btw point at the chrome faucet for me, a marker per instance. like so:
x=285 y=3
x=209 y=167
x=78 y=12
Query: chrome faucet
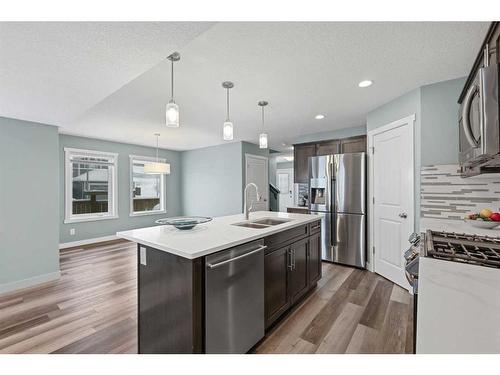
x=247 y=209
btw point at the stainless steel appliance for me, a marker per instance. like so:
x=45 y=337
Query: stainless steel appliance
x=337 y=191
x=479 y=128
x=411 y=270
x=234 y=299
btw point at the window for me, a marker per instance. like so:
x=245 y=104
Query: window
x=90 y=184
x=147 y=191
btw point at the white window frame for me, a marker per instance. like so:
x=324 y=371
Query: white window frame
x=112 y=213
x=163 y=197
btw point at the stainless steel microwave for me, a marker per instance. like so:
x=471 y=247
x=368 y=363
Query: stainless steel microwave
x=479 y=134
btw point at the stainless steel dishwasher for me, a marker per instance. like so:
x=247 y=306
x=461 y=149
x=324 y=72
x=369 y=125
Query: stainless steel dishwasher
x=234 y=298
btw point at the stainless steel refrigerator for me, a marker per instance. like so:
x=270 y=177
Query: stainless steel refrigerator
x=337 y=192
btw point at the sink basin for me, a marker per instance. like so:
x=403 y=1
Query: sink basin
x=270 y=221
x=261 y=223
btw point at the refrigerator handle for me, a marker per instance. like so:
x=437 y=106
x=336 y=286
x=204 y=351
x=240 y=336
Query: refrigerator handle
x=333 y=224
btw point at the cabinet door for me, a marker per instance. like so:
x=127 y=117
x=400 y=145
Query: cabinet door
x=328 y=148
x=298 y=274
x=314 y=259
x=357 y=144
x=301 y=162
x=276 y=269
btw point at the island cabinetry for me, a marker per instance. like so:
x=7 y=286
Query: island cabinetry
x=292 y=267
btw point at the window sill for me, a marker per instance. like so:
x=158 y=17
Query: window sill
x=85 y=219
x=147 y=213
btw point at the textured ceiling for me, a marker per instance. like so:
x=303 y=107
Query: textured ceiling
x=302 y=69
x=51 y=72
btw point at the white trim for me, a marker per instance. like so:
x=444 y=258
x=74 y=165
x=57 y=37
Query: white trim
x=163 y=193
x=292 y=185
x=29 y=282
x=409 y=120
x=112 y=213
x=90 y=241
x=267 y=175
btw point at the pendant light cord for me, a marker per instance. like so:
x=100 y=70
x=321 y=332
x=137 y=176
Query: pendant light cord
x=262 y=117
x=227 y=90
x=172 y=77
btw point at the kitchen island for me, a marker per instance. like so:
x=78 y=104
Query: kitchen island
x=218 y=287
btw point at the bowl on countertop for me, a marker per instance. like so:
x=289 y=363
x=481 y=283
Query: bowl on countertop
x=184 y=222
x=482 y=224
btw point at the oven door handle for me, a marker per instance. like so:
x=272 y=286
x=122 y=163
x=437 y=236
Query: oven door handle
x=465 y=115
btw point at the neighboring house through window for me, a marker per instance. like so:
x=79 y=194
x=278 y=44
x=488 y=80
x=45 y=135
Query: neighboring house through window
x=90 y=185
x=147 y=191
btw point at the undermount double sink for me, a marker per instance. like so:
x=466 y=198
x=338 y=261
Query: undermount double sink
x=262 y=223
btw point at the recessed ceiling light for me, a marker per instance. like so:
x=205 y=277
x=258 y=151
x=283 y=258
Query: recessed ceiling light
x=319 y=117
x=366 y=83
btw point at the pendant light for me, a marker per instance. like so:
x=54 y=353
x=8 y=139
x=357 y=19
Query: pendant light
x=157 y=167
x=227 y=128
x=263 y=135
x=172 y=110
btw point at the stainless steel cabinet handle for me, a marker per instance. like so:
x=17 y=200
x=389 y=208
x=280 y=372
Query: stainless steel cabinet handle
x=290 y=261
x=293 y=252
x=403 y=215
x=215 y=265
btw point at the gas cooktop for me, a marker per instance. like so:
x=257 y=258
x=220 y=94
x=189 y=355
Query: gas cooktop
x=464 y=248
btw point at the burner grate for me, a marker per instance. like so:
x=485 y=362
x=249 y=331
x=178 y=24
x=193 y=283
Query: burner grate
x=472 y=249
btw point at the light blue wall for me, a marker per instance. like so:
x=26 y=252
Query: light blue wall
x=440 y=122
x=284 y=165
x=29 y=205
x=252 y=149
x=212 y=180
x=94 y=229
x=331 y=134
x=403 y=106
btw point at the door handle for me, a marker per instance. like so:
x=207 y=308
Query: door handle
x=215 y=265
x=403 y=215
x=465 y=116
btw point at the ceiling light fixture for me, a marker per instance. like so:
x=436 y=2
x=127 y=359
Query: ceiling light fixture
x=263 y=135
x=227 y=128
x=157 y=167
x=366 y=83
x=172 y=110
x=319 y=117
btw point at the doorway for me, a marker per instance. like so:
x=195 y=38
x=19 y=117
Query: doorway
x=256 y=171
x=284 y=180
x=391 y=197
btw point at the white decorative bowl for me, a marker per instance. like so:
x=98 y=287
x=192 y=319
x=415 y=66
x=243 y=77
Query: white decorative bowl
x=482 y=224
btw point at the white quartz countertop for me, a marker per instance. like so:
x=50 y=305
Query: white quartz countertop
x=457 y=226
x=213 y=236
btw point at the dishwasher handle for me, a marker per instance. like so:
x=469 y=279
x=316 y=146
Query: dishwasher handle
x=215 y=265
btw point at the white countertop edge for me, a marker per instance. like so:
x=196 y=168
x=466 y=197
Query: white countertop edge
x=254 y=234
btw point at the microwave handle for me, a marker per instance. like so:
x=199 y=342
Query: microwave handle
x=465 y=115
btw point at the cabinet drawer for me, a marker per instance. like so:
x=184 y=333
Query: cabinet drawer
x=315 y=227
x=284 y=238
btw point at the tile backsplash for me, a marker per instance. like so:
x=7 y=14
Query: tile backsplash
x=444 y=194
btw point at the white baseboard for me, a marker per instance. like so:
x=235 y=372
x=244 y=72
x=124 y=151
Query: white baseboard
x=86 y=242
x=26 y=283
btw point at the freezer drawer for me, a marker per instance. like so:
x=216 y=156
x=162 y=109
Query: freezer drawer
x=234 y=299
x=349 y=239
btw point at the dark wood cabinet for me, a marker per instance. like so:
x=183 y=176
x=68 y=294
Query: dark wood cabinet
x=296 y=210
x=277 y=299
x=301 y=162
x=298 y=271
x=314 y=258
x=355 y=144
x=328 y=148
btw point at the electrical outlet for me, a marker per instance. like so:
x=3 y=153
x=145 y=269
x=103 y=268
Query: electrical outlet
x=72 y=231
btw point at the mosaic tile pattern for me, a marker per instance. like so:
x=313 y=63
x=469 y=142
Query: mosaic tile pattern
x=446 y=195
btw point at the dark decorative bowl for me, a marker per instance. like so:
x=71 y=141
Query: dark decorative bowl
x=184 y=223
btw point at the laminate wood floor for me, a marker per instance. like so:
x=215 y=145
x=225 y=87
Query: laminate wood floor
x=92 y=308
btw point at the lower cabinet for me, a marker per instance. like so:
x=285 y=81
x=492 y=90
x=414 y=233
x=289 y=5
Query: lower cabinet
x=290 y=271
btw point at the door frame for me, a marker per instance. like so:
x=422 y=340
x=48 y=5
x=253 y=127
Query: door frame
x=410 y=121
x=266 y=192
x=289 y=170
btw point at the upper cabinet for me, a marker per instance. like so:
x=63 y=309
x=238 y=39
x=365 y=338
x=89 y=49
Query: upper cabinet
x=302 y=152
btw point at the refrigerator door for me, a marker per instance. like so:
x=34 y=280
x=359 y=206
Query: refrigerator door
x=326 y=235
x=349 y=173
x=349 y=239
x=320 y=177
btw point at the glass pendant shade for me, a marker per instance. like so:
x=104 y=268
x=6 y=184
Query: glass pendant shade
x=227 y=130
x=263 y=140
x=172 y=115
x=157 y=168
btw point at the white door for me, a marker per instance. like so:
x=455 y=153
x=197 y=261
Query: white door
x=256 y=171
x=393 y=204
x=284 y=180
